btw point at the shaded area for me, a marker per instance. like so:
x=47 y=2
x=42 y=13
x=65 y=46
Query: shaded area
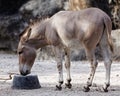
x=9 y=7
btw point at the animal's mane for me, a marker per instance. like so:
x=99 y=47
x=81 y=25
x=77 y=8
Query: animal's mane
x=31 y=24
x=24 y=31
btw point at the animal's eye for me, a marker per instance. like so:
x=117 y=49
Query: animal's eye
x=20 y=52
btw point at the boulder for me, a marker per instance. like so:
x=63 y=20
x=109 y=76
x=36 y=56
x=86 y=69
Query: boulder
x=114 y=6
x=116 y=39
x=41 y=8
x=15 y=16
x=10 y=27
x=11 y=23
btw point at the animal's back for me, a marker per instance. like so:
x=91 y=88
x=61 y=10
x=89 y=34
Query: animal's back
x=89 y=14
x=73 y=27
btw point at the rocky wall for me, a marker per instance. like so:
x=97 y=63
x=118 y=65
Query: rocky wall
x=16 y=14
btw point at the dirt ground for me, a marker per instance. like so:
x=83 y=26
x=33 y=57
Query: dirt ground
x=48 y=77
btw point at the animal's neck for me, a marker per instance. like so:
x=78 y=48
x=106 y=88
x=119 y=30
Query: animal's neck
x=38 y=38
x=36 y=43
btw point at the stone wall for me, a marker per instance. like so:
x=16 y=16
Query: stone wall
x=9 y=31
x=116 y=39
x=115 y=11
x=16 y=14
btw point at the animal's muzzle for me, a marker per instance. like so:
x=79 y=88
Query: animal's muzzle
x=25 y=73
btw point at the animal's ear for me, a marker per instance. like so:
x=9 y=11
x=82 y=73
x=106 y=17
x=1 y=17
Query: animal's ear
x=28 y=34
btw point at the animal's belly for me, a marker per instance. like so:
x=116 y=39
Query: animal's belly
x=73 y=44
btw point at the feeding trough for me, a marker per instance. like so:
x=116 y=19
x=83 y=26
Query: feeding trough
x=25 y=82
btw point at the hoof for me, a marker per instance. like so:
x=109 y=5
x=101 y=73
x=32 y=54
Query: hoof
x=68 y=85
x=86 y=89
x=59 y=88
x=102 y=89
x=105 y=90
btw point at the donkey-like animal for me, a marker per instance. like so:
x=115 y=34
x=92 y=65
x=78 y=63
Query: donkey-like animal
x=66 y=30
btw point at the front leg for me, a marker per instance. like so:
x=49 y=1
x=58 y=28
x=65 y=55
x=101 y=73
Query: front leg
x=59 y=56
x=67 y=66
x=60 y=71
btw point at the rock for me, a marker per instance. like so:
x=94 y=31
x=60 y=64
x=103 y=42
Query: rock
x=41 y=8
x=11 y=24
x=114 y=6
x=10 y=28
x=25 y=82
x=8 y=7
x=15 y=15
x=116 y=41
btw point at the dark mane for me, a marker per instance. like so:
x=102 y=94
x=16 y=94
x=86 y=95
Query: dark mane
x=23 y=32
x=37 y=21
x=32 y=23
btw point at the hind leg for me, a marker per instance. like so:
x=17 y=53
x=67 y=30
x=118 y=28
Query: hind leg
x=59 y=55
x=107 y=62
x=94 y=63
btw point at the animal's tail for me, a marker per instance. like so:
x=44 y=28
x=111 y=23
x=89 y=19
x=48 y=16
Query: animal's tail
x=108 y=30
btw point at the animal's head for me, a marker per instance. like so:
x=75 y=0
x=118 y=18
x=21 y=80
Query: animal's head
x=26 y=52
x=32 y=38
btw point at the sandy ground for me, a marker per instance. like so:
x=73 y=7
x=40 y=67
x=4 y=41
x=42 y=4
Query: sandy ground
x=48 y=77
